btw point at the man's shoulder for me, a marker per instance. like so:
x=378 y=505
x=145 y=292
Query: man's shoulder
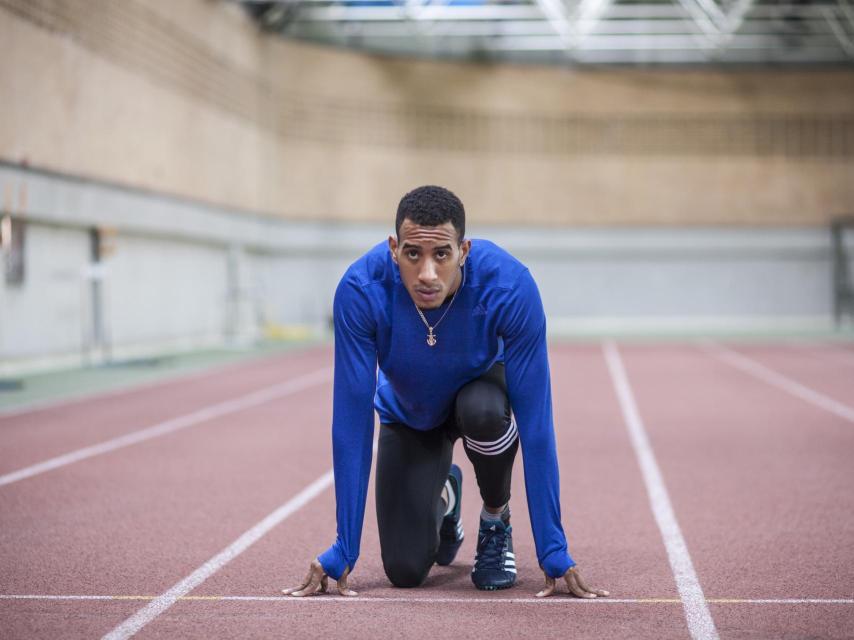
x=495 y=266
x=372 y=267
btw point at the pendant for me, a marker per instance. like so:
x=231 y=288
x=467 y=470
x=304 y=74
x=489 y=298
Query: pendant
x=431 y=339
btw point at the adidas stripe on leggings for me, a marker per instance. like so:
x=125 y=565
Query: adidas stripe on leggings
x=412 y=467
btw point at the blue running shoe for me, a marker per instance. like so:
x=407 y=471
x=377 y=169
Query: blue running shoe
x=451 y=534
x=495 y=562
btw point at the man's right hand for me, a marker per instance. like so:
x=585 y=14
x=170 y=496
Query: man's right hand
x=317 y=581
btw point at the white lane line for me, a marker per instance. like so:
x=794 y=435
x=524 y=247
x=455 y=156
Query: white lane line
x=328 y=599
x=162 y=602
x=175 y=424
x=775 y=379
x=76 y=398
x=187 y=375
x=781 y=600
x=700 y=623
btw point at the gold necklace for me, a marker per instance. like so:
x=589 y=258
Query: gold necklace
x=431 y=337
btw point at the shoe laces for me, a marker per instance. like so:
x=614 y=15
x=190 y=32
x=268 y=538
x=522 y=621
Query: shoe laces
x=492 y=542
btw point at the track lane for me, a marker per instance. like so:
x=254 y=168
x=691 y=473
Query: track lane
x=68 y=620
x=808 y=622
x=623 y=553
x=700 y=623
x=827 y=374
x=760 y=481
x=37 y=436
x=135 y=522
x=193 y=419
x=421 y=618
x=839 y=353
x=599 y=478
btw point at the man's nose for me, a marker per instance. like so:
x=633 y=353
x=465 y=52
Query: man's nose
x=427 y=273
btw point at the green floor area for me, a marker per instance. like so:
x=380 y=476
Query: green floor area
x=19 y=392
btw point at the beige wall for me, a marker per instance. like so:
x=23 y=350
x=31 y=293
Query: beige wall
x=188 y=98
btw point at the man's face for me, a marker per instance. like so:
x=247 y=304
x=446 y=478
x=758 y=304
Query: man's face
x=429 y=259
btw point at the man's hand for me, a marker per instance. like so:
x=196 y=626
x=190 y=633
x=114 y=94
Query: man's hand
x=576 y=585
x=317 y=582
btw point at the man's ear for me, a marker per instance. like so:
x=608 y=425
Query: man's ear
x=392 y=246
x=465 y=248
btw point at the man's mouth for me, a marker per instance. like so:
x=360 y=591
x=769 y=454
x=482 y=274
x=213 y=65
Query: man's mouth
x=427 y=295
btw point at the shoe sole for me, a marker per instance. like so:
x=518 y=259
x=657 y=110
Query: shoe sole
x=506 y=586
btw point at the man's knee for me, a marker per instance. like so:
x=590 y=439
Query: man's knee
x=406 y=573
x=482 y=411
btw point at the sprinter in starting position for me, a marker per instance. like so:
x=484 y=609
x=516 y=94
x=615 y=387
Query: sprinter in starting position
x=456 y=331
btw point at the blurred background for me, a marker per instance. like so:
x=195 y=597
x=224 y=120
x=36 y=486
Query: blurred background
x=186 y=176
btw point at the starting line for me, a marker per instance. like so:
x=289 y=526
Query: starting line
x=329 y=598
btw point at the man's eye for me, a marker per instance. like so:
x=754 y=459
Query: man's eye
x=412 y=255
x=441 y=255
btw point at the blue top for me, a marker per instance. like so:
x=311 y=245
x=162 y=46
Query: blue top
x=497 y=315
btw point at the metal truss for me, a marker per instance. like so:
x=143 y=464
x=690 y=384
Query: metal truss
x=581 y=31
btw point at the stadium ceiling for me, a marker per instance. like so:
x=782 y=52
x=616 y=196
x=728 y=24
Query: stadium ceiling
x=577 y=31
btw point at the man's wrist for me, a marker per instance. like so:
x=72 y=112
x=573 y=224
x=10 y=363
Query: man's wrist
x=333 y=562
x=556 y=564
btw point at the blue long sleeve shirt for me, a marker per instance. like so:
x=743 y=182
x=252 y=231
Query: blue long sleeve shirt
x=383 y=363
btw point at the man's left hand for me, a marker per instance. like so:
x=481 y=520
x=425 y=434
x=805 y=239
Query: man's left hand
x=576 y=585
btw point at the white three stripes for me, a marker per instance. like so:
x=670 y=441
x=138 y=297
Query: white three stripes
x=498 y=446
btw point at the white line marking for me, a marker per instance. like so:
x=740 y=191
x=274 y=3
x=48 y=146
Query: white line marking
x=769 y=376
x=160 y=604
x=77 y=398
x=700 y=623
x=170 y=426
x=781 y=600
x=192 y=374
x=428 y=600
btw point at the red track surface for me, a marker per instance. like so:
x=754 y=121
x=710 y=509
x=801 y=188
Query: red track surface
x=759 y=480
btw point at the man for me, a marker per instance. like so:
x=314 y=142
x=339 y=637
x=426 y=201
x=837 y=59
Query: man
x=458 y=331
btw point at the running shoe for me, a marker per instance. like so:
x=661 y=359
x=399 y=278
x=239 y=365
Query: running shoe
x=451 y=533
x=495 y=562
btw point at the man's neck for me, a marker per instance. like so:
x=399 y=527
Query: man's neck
x=456 y=286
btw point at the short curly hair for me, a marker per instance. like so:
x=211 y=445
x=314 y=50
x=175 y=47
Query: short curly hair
x=431 y=206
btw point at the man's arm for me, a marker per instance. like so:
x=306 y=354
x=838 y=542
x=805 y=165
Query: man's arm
x=529 y=387
x=352 y=431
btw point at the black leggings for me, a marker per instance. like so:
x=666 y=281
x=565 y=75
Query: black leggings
x=412 y=467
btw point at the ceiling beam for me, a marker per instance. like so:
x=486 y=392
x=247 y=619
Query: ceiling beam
x=839 y=31
x=678 y=30
x=319 y=12
x=587 y=16
x=650 y=43
x=508 y=28
x=701 y=18
x=848 y=11
x=556 y=14
x=736 y=14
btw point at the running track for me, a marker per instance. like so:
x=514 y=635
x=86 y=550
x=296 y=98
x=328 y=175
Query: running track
x=707 y=486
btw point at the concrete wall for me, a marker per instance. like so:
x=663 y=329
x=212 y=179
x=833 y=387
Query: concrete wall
x=166 y=290
x=190 y=99
x=45 y=315
x=153 y=293
x=242 y=173
x=184 y=275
